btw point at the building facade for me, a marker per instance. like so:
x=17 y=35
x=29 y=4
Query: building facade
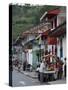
x=57 y=35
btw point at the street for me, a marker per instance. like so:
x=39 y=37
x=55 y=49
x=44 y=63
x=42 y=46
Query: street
x=19 y=79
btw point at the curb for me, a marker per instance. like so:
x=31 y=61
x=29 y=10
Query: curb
x=26 y=74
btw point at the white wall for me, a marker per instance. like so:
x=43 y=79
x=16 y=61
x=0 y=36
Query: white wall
x=30 y=37
x=61 y=17
x=58 y=48
x=64 y=51
x=42 y=46
x=29 y=57
x=35 y=48
x=64 y=47
x=23 y=56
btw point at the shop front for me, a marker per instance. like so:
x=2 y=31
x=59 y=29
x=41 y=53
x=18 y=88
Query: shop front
x=60 y=34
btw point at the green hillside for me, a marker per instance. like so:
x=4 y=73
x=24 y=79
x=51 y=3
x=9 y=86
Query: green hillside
x=26 y=16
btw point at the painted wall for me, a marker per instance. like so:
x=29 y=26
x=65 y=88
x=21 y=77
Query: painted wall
x=58 y=48
x=30 y=37
x=61 y=17
x=64 y=47
x=23 y=56
x=29 y=57
x=35 y=59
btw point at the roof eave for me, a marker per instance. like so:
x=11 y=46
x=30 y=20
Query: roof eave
x=43 y=16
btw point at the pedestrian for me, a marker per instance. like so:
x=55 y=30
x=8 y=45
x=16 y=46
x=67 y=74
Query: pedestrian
x=16 y=63
x=24 y=65
x=60 y=68
x=42 y=69
x=37 y=71
x=19 y=66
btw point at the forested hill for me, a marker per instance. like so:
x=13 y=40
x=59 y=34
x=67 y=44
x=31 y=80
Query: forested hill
x=26 y=16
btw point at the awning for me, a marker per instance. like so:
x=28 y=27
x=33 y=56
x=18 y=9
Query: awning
x=52 y=40
x=60 y=30
x=54 y=11
x=45 y=34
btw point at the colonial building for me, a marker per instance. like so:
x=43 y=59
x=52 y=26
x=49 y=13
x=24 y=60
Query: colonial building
x=57 y=35
x=49 y=35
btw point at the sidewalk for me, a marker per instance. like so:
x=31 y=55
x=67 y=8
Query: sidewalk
x=32 y=74
x=62 y=81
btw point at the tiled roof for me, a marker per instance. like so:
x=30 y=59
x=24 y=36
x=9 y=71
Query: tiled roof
x=39 y=29
x=50 y=12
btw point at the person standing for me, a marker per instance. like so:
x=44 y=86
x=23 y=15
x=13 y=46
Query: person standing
x=41 y=70
x=19 y=66
x=24 y=65
x=37 y=71
x=60 y=68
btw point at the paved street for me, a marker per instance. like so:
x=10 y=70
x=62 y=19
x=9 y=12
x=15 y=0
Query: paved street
x=20 y=79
